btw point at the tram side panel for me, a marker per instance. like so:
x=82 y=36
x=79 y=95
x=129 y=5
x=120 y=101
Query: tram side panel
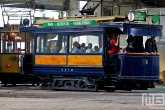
x=69 y=65
x=69 y=72
x=9 y=67
x=139 y=69
x=153 y=67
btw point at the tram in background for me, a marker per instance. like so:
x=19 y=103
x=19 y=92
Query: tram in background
x=16 y=56
x=65 y=70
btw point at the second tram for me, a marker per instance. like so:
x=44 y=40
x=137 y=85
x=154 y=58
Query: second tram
x=60 y=63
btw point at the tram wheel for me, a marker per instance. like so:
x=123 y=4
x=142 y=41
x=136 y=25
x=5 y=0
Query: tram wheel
x=82 y=84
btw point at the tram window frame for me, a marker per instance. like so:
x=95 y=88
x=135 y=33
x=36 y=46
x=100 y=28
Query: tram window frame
x=9 y=39
x=87 y=34
x=62 y=45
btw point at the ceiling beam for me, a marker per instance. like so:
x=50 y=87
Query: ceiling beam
x=38 y=4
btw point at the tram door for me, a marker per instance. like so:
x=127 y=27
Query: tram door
x=112 y=62
x=25 y=47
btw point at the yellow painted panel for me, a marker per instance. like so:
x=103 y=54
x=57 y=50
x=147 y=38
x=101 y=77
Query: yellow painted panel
x=12 y=60
x=85 y=60
x=50 y=59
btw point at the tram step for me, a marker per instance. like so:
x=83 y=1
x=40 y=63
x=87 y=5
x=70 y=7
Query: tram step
x=113 y=80
x=113 y=77
x=109 y=86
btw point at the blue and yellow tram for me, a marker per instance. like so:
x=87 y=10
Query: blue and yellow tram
x=59 y=65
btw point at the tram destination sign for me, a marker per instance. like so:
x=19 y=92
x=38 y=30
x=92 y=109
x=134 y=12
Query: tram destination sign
x=70 y=23
x=137 y=16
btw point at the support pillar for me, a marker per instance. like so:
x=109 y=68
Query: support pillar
x=74 y=8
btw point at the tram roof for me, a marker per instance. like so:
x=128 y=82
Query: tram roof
x=125 y=28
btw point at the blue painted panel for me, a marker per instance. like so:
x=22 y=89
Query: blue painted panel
x=124 y=65
x=64 y=70
x=134 y=66
x=153 y=65
x=137 y=65
x=143 y=31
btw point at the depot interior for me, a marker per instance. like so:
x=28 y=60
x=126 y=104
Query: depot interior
x=16 y=10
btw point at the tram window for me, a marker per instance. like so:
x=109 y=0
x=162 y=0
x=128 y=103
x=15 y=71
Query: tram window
x=51 y=43
x=85 y=43
x=16 y=42
x=8 y=42
x=25 y=43
x=20 y=46
x=123 y=41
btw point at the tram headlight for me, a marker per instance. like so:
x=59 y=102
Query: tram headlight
x=26 y=22
x=7 y=65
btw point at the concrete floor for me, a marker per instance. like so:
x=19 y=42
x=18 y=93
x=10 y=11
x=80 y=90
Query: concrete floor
x=32 y=98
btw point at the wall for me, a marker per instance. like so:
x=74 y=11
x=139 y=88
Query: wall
x=117 y=10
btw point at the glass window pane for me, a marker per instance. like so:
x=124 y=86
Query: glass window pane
x=51 y=43
x=85 y=43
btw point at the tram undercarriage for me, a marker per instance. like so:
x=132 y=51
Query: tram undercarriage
x=78 y=83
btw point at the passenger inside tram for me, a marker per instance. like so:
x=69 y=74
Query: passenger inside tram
x=139 y=48
x=56 y=48
x=130 y=40
x=100 y=49
x=47 y=48
x=81 y=49
x=135 y=45
x=112 y=51
x=150 y=46
x=96 y=49
x=89 y=50
x=75 y=47
x=63 y=50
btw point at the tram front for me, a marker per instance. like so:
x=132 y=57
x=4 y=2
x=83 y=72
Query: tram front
x=15 y=48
